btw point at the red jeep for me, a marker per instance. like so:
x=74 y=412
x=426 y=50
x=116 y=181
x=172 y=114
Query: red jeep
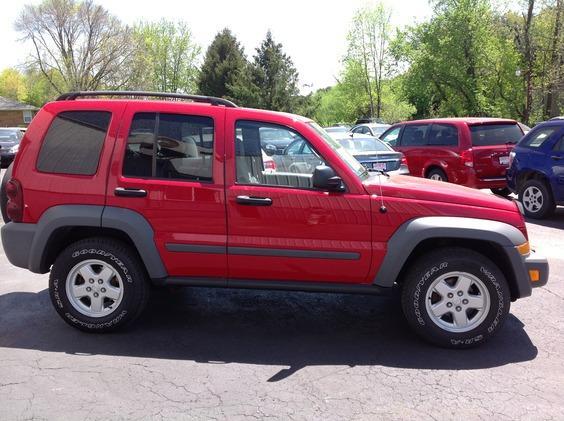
x=111 y=195
x=473 y=152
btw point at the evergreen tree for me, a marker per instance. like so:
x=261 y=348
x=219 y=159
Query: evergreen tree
x=224 y=63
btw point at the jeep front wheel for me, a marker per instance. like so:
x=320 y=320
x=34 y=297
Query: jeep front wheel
x=455 y=298
x=98 y=285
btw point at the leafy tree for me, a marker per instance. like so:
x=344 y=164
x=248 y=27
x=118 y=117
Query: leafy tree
x=166 y=58
x=77 y=45
x=12 y=84
x=270 y=81
x=368 y=42
x=223 y=64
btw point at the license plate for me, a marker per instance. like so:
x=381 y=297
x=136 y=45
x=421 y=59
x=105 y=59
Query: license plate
x=379 y=166
x=504 y=160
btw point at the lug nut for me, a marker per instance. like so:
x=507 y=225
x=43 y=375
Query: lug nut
x=449 y=305
x=449 y=295
x=88 y=289
x=103 y=290
x=95 y=294
x=91 y=281
x=460 y=293
x=100 y=281
x=464 y=301
x=458 y=308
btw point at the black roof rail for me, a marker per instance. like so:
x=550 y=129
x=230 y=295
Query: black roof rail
x=196 y=98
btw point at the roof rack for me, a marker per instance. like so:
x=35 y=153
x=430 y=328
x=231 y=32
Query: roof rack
x=196 y=98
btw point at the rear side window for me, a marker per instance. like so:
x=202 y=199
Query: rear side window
x=443 y=135
x=170 y=146
x=537 y=138
x=73 y=143
x=559 y=147
x=414 y=135
x=391 y=137
x=495 y=134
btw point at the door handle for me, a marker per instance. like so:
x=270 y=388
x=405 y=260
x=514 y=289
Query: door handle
x=254 y=201
x=127 y=192
x=557 y=158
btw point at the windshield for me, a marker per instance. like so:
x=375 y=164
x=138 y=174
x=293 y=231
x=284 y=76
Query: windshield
x=336 y=130
x=352 y=163
x=10 y=135
x=495 y=134
x=368 y=144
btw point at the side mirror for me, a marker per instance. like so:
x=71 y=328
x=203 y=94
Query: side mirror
x=270 y=150
x=324 y=178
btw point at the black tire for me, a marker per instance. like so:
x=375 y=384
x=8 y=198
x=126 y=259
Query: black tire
x=3 y=195
x=431 y=268
x=123 y=261
x=437 y=174
x=540 y=208
x=503 y=191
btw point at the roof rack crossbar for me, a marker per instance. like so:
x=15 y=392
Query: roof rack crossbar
x=196 y=98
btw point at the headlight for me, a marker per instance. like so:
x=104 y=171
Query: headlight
x=15 y=148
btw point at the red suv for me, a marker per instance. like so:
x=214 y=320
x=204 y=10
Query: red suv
x=473 y=152
x=113 y=195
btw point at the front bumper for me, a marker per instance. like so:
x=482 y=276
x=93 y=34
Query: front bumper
x=537 y=270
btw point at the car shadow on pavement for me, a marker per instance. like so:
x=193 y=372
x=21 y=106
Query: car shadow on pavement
x=258 y=327
x=556 y=220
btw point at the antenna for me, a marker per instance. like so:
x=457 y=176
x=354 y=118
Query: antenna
x=383 y=208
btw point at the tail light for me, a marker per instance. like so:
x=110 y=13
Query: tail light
x=467 y=157
x=270 y=164
x=511 y=157
x=403 y=160
x=15 y=205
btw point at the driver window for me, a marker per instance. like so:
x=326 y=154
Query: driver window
x=182 y=148
x=292 y=168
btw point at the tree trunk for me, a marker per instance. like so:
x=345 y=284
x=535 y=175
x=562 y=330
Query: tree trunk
x=529 y=61
x=551 y=104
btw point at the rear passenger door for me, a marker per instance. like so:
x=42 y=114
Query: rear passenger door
x=168 y=167
x=413 y=143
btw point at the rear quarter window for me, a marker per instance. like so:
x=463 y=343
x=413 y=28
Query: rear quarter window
x=73 y=143
x=537 y=138
x=495 y=134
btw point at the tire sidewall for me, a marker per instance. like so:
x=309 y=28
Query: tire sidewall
x=416 y=311
x=72 y=256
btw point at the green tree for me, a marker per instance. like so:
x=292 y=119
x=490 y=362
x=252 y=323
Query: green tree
x=166 y=57
x=12 y=84
x=270 y=81
x=223 y=64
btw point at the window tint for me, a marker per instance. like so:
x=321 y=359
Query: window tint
x=293 y=168
x=73 y=143
x=414 y=135
x=495 y=134
x=559 y=147
x=391 y=137
x=443 y=135
x=538 y=137
x=182 y=148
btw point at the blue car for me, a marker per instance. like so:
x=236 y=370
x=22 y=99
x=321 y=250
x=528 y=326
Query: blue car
x=536 y=169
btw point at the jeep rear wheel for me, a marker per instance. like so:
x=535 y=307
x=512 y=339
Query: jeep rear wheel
x=98 y=285
x=455 y=298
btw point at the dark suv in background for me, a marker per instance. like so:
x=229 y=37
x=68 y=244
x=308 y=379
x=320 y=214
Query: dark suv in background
x=473 y=152
x=536 y=172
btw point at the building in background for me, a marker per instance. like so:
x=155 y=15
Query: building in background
x=14 y=113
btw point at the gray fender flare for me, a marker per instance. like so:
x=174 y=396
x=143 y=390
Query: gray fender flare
x=130 y=222
x=413 y=232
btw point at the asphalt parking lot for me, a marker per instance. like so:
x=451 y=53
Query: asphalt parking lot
x=215 y=354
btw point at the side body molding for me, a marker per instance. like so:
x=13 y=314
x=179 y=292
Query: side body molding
x=412 y=232
x=125 y=220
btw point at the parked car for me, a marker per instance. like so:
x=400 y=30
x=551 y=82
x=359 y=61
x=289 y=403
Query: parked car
x=87 y=204
x=10 y=138
x=275 y=139
x=336 y=131
x=473 y=152
x=372 y=153
x=536 y=171
x=370 y=129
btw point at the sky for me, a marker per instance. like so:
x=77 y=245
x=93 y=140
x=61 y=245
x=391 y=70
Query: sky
x=312 y=32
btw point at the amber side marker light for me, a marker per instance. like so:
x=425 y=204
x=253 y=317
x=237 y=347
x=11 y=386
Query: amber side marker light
x=524 y=249
x=534 y=275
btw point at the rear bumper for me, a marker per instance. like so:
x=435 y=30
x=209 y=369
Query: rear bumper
x=487 y=183
x=17 y=240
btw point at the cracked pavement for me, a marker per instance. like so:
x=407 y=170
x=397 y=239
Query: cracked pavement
x=234 y=354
